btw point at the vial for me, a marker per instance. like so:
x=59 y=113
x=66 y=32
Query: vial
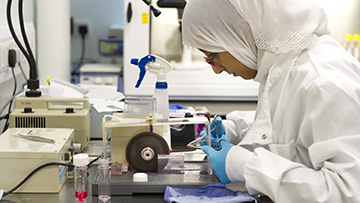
x=81 y=181
x=104 y=186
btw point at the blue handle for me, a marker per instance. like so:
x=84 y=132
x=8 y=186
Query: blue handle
x=141 y=63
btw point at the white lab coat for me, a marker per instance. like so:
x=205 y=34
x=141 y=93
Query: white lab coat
x=314 y=152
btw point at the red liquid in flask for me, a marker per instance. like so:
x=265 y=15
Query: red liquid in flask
x=81 y=195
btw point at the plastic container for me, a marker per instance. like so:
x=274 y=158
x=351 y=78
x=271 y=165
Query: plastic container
x=171 y=163
x=139 y=107
x=104 y=182
x=81 y=179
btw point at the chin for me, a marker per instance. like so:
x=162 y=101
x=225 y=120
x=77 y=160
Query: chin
x=246 y=78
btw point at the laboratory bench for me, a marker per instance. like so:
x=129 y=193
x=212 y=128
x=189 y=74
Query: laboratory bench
x=218 y=107
x=67 y=194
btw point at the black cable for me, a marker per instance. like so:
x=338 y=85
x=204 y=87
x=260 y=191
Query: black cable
x=40 y=167
x=22 y=27
x=32 y=82
x=7 y=201
x=13 y=34
x=93 y=161
x=78 y=65
x=10 y=104
x=32 y=173
x=4 y=117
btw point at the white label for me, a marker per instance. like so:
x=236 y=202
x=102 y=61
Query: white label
x=50 y=146
x=26 y=132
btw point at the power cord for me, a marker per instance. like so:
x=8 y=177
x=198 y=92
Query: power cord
x=40 y=167
x=32 y=173
x=12 y=63
x=83 y=30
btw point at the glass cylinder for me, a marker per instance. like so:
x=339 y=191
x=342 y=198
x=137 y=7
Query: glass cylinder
x=104 y=181
x=81 y=179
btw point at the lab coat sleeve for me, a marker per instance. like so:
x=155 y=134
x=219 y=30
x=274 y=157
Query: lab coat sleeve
x=237 y=123
x=331 y=133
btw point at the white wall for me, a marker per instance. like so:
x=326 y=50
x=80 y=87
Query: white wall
x=343 y=17
x=28 y=11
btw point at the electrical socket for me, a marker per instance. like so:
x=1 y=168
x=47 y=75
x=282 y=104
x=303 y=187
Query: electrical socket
x=4 y=53
x=81 y=22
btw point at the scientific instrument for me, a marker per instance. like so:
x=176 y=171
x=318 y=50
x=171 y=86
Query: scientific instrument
x=102 y=74
x=47 y=112
x=19 y=157
x=136 y=146
x=141 y=134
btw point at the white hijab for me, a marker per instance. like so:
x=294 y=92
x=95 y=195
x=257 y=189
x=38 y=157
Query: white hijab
x=265 y=35
x=251 y=29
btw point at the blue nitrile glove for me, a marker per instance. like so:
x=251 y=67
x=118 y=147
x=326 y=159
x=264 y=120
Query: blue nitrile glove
x=215 y=134
x=1 y=193
x=218 y=159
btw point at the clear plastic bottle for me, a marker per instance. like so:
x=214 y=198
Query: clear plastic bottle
x=81 y=179
x=104 y=186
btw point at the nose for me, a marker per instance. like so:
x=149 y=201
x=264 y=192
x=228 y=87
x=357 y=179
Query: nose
x=217 y=70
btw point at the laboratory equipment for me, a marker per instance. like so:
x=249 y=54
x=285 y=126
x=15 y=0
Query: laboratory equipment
x=139 y=107
x=102 y=74
x=193 y=79
x=137 y=144
x=217 y=126
x=111 y=45
x=159 y=67
x=81 y=182
x=104 y=171
x=47 y=112
x=183 y=134
x=171 y=163
x=19 y=157
x=142 y=151
x=127 y=128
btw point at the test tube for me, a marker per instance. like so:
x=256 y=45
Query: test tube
x=81 y=182
x=104 y=186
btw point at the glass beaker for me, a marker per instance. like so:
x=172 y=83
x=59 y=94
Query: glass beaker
x=104 y=181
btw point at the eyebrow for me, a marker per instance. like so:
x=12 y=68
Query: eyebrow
x=211 y=55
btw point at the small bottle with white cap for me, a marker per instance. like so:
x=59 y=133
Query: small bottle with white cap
x=81 y=179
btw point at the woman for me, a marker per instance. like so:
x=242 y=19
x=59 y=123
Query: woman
x=303 y=145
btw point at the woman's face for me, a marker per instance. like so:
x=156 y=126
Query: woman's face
x=224 y=61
